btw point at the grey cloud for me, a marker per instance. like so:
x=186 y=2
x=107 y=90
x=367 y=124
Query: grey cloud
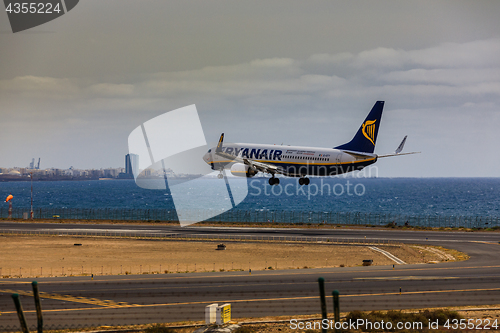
x=374 y=72
x=265 y=99
x=110 y=89
x=41 y=86
x=451 y=76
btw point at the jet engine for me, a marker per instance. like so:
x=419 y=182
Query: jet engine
x=243 y=170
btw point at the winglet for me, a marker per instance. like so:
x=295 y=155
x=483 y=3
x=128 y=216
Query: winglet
x=219 y=145
x=399 y=150
x=401 y=145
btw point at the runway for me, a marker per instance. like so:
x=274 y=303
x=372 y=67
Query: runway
x=136 y=299
x=406 y=236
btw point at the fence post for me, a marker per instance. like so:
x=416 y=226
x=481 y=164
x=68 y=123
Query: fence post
x=322 y=297
x=38 y=306
x=336 y=308
x=20 y=313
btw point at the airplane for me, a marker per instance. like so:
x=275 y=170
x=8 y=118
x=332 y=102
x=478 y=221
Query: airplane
x=246 y=159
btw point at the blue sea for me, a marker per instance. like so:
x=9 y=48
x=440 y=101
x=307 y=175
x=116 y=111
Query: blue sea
x=444 y=197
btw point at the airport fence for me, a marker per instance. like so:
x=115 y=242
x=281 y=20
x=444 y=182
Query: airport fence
x=92 y=304
x=257 y=216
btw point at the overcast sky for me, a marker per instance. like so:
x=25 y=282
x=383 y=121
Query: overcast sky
x=291 y=72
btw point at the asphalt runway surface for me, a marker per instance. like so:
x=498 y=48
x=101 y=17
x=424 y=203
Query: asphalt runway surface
x=139 y=299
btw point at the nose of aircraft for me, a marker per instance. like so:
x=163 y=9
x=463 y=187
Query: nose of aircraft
x=207 y=158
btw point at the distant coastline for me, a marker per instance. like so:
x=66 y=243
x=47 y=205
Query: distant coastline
x=13 y=178
x=16 y=178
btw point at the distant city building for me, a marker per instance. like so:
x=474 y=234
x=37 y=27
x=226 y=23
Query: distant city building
x=34 y=166
x=131 y=163
x=95 y=173
x=111 y=173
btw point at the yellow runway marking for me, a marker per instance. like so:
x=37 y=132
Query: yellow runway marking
x=70 y=298
x=485 y=242
x=410 y=278
x=264 y=300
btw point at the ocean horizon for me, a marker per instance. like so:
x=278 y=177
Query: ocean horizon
x=410 y=196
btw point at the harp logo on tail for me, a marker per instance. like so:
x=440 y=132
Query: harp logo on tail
x=368 y=129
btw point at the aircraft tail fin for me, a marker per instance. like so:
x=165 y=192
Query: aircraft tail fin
x=366 y=137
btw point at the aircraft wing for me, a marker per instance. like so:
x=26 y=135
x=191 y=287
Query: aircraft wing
x=263 y=167
x=259 y=166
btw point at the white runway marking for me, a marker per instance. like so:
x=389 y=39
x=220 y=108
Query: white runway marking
x=388 y=255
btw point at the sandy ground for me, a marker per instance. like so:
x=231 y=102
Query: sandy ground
x=36 y=256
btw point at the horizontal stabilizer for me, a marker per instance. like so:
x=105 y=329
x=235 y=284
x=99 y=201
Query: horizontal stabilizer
x=389 y=155
x=358 y=154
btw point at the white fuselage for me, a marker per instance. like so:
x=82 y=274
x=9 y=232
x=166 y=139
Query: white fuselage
x=293 y=160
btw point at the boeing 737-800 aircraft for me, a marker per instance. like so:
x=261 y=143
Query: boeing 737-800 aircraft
x=246 y=160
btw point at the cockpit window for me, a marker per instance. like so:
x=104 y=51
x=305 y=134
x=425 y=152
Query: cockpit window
x=209 y=150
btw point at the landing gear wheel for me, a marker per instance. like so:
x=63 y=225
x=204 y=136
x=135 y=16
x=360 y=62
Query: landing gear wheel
x=303 y=181
x=220 y=176
x=274 y=181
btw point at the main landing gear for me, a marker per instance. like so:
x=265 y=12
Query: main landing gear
x=274 y=181
x=220 y=175
x=303 y=181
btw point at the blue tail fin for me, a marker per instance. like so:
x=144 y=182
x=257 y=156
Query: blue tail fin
x=365 y=138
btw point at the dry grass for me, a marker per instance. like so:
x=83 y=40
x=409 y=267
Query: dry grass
x=34 y=256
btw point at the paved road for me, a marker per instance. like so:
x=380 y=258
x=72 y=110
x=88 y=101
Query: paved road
x=369 y=233
x=111 y=300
